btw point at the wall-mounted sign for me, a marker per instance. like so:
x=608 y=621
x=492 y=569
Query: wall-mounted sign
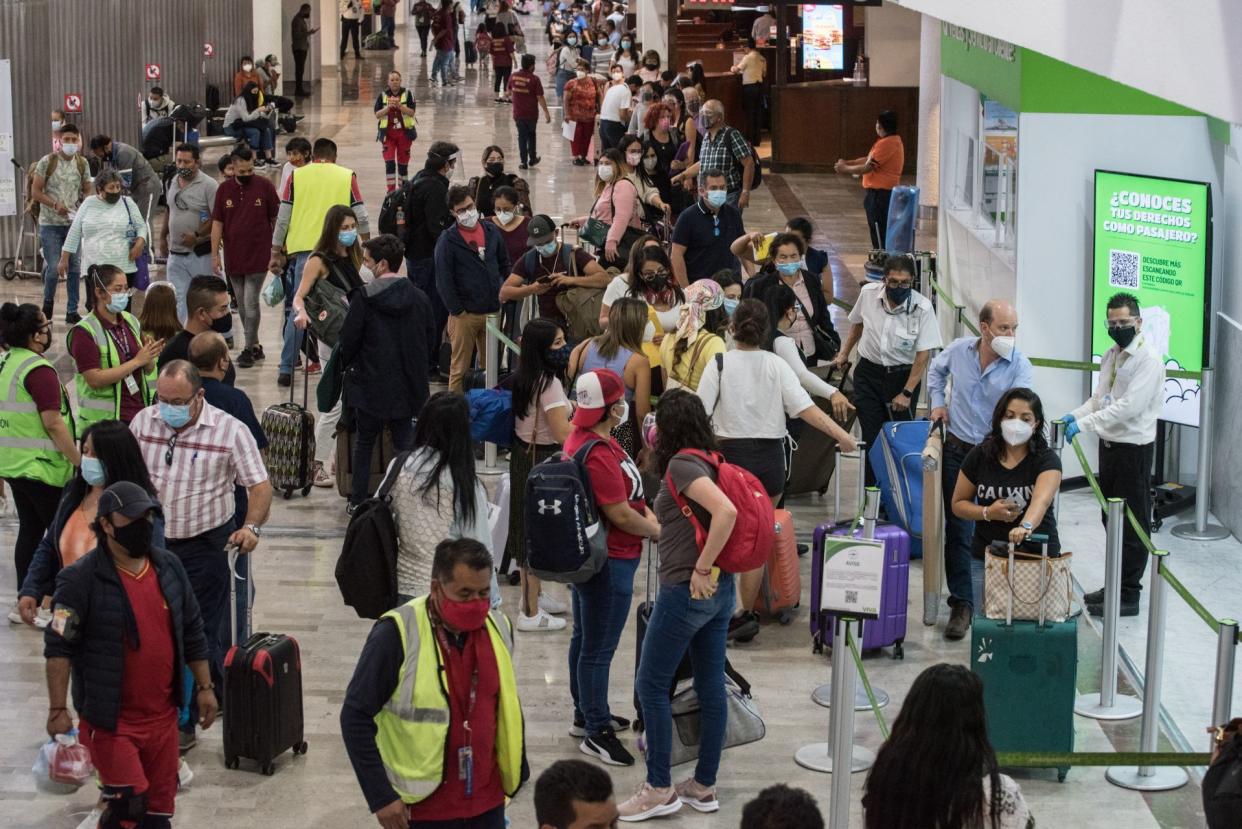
x=853 y=576
x=73 y=102
x=1153 y=239
x=153 y=71
x=1002 y=49
x=209 y=50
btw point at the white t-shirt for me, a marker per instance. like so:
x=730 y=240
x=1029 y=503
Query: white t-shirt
x=620 y=287
x=787 y=350
x=758 y=391
x=615 y=99
x=524 y=427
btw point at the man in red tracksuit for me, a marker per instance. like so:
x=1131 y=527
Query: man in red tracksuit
x=124 y=621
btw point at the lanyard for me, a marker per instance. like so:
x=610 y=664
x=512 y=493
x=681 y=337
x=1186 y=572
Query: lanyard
x=1112 y=378
x=465 y=754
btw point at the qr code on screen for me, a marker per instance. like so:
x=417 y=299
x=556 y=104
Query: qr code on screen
x=1123 y=269
x=851 y=597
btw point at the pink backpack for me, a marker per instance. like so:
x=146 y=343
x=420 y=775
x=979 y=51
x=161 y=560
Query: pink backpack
x=754 y=533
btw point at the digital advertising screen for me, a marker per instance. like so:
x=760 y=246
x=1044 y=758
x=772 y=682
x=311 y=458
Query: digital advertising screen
x=1153 y=238
x=823 y=37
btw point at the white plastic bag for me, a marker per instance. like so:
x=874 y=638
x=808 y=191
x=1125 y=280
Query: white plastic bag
x=274 y=292
x=63 y=765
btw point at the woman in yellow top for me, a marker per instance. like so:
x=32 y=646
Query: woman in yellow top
x=687 y=352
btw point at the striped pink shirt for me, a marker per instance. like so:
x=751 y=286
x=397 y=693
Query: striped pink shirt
x=196 y=488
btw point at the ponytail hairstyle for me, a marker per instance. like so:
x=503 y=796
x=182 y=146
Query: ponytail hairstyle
x=750 y=323
x=98 y=278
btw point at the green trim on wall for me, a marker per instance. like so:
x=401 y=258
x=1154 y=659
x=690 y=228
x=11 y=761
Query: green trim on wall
x=996 y=78
x=1050 y=85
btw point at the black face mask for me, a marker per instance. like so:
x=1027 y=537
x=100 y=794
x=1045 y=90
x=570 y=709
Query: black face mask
x=558 y=358
x=112 y=198
x=244 y=179
x=1123 y=336
x=495 y=168
x=135 y=537
x=898 y=296
x=222 y=325
x=656 y=283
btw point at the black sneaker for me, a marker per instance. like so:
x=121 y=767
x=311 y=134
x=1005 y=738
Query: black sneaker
x=256 y=351
x=72 y=318
x=608 y=748
x=1094 y=597
x=284 y=380
x=1128 y=608
x=578 y=729
x=522 y=166
x=743 y=627
x=48 y=309
x=534 y=161
x=803 y=549
x=245 y=359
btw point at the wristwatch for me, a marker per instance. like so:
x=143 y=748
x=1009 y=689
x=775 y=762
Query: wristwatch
x=210 y=686
x=1026 y=525
x=256 y=529
x=906 y=393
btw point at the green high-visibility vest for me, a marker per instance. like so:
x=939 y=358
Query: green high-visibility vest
x=316 y=187
x=413 y=726
x=94 y=404
x=26 y=449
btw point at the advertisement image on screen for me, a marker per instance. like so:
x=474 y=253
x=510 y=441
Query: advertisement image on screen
x=823 y=37
x=1153 y=239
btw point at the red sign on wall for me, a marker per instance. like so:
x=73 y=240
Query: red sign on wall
x=153 y=71
x=73 y=102
x=209 y=50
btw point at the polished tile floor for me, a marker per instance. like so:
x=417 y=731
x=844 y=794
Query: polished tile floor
x=297 y=593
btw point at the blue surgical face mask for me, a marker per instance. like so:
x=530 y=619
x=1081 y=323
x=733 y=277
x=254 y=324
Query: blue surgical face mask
x=347 y=237
x=730 y=305
x=93 y=471
x=788 y=268
x=118 y=302
x=175 y=416
x=717 y=198
x=546 y=250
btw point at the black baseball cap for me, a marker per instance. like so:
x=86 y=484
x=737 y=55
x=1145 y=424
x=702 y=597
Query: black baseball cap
x=541 y=230
x=127 y=498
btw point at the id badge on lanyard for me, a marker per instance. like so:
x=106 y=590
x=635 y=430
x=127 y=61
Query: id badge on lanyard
x=465 y=754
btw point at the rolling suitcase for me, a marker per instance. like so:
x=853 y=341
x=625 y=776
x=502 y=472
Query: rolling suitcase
x=782 y=576
x=1032 y=660
x=262 y=694
x=814 y=457
x=290 y=452
x=381 y=457
x=897 y=458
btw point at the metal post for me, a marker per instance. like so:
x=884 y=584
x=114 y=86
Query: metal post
x=491 y=374
x=819 y=756
x=1108 y=705
x=1201 y=530
x=1151 y=778
x=1226 y=654
x=1056 y=439
x=843 y=740
x=959 y=315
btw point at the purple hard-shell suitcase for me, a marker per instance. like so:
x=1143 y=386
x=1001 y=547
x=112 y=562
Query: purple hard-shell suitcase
x=890 y=628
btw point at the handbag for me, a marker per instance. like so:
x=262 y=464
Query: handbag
x=595 y=232
x=1021 y=585
x=326 y=308
x=744 y=724
x=827 y=340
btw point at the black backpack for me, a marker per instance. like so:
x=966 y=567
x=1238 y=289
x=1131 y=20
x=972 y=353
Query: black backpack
x=566 y=539
x=366 y=571
x=393 y=202
x=1222 y=784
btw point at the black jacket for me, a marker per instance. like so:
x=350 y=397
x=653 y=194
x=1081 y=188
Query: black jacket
x=386 y=344
x=426 y=213
x=482 y=187
x=93 y=623
x=759 y=284
x=466 y=281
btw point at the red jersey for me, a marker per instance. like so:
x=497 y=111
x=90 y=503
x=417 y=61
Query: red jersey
x=614 y=478
x=146 y=691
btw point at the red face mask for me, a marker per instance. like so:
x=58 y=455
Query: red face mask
x=463 y=616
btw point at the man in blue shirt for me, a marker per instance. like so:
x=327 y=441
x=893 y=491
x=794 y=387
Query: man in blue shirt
x=982 y=369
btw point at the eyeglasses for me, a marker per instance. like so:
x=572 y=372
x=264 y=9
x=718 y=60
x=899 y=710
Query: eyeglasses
x=168 y=455
x=1125 y=323
x=654 y=275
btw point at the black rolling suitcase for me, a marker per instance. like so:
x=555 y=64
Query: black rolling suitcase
x=262 y=695
x=814 y=461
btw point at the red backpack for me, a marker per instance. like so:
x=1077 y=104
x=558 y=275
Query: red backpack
x=750 y=544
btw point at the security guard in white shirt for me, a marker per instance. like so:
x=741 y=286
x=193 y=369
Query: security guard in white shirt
x=895 y=329
x=1123 y=413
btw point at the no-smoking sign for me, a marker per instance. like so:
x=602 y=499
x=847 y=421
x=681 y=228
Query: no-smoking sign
x=209 y=50
x=73 y=102
x=153 y=71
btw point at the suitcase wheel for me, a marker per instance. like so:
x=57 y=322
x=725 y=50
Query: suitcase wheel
x=269 y=768
x=288 y=494
x=515 y=578
x=899 y=652
x=231 y=762
x=1061 y=774
x=300 y=748
x=785 y=617
x=823 y=490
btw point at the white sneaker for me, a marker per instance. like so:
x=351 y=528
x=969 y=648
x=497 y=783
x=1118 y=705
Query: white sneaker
x=184 y=775
x=551 y=604
x=15 y=616
x=43 y=618
x=91 y=821
x=540 y=621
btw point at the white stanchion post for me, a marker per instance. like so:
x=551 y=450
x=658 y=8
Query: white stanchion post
x=1201 y=530
x=1151 y=778
x=491 y=375
x=1226 y=656
x=1108 y=704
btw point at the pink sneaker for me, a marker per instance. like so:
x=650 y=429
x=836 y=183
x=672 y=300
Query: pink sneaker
x=649 y=802
x=697 y=796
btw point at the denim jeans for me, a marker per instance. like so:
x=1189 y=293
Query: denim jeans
x=388 y=25
x=259 y=138
x=441 y=65
x=370 y=429
x=958 y=533
x=181 y=270
x=976 y=584
x=678 y=623
x=207 y=568
x=562 y=78
x=293 y=337
x=52 y=239
x=600 y=607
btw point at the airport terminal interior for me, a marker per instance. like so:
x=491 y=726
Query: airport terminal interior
x=973 y=92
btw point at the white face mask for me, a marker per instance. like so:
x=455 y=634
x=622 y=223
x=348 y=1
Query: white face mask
x=604 y=171
x=1016 y=432
x=154 y=102
x=504 y=216
x=366 y=275
x=246 y=67
x=649 y=163
x=69 y=149
x=633 y=159
x=56 y=125
x=1003 y=346
x=625 y=410
x=581 y=75
x=468 y=218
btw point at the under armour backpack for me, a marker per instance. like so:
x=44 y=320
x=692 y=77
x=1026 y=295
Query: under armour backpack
x=366 y=570
x=566 y=540
x=754 y=532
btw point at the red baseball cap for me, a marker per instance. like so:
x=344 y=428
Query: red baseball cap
x=596 y=391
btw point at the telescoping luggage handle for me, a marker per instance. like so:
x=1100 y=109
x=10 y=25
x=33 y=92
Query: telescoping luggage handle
x=233 y=553
x=1042 y=541
x=862 y=478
